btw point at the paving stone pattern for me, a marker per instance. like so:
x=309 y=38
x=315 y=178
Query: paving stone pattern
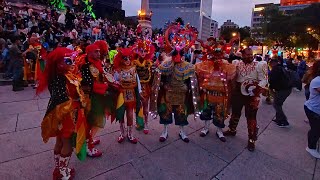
x=280 y=153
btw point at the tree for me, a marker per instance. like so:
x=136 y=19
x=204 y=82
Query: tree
x=290 y=31
x=227 y=33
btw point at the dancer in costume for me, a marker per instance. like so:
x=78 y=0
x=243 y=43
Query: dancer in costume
x=172 y=92
x=110 y=97
x=34 y=60
x=144 y=52
x=215 y=76
x=129 y=97
x=96 y=88
x=65 y=117
x=251 y=80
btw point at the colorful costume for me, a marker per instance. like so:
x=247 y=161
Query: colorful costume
x=215 y=76
x=129 y=97
x=99 y=90
x=144 y=52
x=65 y=116
x=34 y=61
x=251 y=80
x=173 y=79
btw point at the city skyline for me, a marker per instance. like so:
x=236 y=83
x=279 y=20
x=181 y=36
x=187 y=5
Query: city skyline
x=222 y=10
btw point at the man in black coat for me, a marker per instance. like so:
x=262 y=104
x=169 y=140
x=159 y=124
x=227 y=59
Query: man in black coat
x=279 y=84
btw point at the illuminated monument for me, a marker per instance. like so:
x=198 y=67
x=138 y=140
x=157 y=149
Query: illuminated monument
x=144 y=17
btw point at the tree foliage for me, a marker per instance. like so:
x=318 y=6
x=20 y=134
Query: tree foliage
x=226 y=33
x=290 y=30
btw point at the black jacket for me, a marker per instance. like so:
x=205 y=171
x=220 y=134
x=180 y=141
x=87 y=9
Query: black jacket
x=277 y=78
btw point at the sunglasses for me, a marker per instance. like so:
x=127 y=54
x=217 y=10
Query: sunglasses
x=126 y=58
x=69 y=61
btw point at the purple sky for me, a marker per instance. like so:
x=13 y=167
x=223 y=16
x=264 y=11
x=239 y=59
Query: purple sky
x=238 y=11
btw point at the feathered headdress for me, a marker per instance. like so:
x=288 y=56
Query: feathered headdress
x=180 y=39
x=103 y=46
x=216 y=48
x=144 y=46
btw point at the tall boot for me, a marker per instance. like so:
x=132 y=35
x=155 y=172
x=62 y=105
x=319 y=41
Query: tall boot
x=65 y=173
x=164 y=134
x=131 y=138
x=205 y=131
x=146 y=127
x=122 y=130
x=91 y=150
x=56 y=171
x=183 y=135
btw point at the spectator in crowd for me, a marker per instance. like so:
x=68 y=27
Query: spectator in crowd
x=16 y=59
x=302 y=66
x=4 y=56
x=291 y=65
x=279 y=84
x=312 y=110
x=308 y=76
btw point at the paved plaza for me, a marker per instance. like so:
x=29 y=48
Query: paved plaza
x=280 y=153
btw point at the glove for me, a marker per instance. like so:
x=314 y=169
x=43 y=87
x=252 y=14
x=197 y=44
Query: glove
x=251 y=90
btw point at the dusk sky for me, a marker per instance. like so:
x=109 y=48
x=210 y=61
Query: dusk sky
x=238 y=11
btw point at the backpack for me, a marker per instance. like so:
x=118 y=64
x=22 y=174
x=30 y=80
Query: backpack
x=292 y=78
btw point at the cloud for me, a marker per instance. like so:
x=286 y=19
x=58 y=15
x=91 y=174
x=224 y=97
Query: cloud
x=131 y=7
x=239 y=11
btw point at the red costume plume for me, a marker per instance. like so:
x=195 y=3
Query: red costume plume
x=180 y=39
x=146 y=46
x=103 y=46
x=51 y=69
x=122 y=53
x=213 y=49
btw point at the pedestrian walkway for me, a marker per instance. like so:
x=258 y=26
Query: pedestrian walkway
x=280 y=153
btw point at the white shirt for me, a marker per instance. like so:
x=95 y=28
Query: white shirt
x=62 y=19
x=254 y=70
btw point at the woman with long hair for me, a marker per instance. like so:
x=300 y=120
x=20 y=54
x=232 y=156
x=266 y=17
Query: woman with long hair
x=311 y=74
x=64 y=118
x=312 y=110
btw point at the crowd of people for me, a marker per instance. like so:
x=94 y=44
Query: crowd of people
x=98 y=70
x=54 y=28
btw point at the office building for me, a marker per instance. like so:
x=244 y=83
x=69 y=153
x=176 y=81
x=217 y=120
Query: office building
x=214 y=29
x=195 y=12
x=229 y=25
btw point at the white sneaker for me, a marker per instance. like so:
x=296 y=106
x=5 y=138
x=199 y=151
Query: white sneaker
x=313 y=152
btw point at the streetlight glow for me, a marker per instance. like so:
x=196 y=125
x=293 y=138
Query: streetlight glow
x=234 y=34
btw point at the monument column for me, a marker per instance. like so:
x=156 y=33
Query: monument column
x=144 y=18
